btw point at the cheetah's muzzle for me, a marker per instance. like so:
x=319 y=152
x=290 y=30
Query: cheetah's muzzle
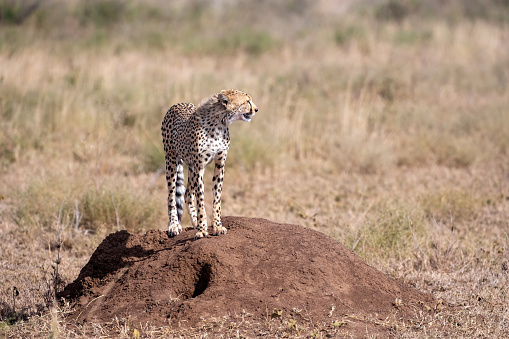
x=247 y=117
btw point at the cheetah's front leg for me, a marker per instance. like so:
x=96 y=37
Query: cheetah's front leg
x=198 y=187
x=217 y=181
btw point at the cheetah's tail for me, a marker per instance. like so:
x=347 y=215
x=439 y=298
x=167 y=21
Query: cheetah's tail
x=180 y=191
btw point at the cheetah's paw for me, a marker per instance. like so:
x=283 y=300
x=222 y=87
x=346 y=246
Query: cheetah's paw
x=199 y=235
x=173 y=230
x=218 y=230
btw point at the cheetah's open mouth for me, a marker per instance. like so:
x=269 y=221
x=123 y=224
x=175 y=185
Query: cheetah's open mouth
x=246 y=117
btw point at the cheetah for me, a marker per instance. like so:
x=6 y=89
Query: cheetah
x=198 y=136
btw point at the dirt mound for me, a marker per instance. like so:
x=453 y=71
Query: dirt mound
x=259 y=268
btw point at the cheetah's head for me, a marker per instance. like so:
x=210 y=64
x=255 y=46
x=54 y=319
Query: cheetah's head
x=238 y=106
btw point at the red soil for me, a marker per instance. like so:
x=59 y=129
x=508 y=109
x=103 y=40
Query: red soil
x=258 y=266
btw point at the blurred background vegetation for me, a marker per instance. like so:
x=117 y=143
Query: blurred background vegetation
x=359 y=87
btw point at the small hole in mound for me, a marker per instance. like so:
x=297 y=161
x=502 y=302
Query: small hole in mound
x=203 y=281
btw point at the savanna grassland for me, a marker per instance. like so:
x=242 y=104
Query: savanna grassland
x=384 y=124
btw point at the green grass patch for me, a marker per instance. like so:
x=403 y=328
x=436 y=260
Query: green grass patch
x=16 y=12
x=118 y=209
x=344 y=36
x=9 y=150
x=390 y=230
x=39 y=204
x=246 y=151
x=454 y=152
x=393 y=10
x=412 y=37
x=153 y=158
x=101 y=13
x=250 y=41
x=46 y=203
x=451 y=203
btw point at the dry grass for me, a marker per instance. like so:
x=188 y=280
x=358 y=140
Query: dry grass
x=382 y=127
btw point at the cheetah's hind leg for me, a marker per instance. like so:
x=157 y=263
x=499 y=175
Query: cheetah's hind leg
x=175 y=228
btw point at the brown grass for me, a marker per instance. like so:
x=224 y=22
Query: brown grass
x=386 y=130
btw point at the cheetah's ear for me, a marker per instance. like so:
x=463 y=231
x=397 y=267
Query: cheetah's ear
x=223 y=99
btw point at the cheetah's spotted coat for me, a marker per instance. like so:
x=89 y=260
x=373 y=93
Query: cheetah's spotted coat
x=198 y=136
